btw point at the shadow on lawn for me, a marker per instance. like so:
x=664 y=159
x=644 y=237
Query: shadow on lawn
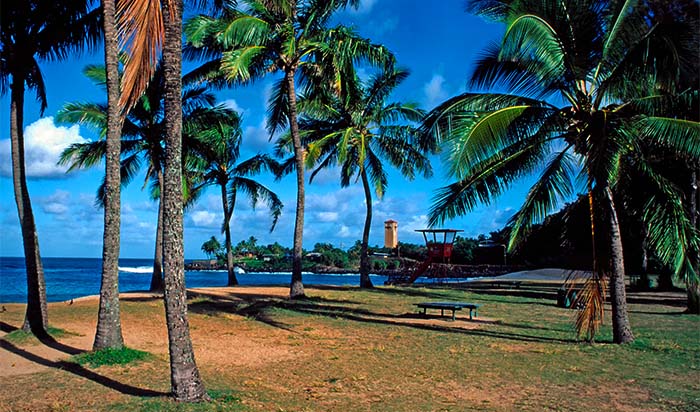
x=78 y=370
x=46 y=340
x=258 y=306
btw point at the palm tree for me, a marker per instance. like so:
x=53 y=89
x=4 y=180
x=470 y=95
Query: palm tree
x=149 y=26
x=185 y=379
x=211 y=247
x=32 y=32
x=359 y=129
x=288 y=36
x=143 y=132
x=220 y=152
x=604 y=62
x=109 y=329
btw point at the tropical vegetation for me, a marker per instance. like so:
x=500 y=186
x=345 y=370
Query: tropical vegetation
x=573 y=114
x=356 y=130
x=143 y=134
x=219 y=152
x=34 y=32
x=291 y=37
x=599 y=99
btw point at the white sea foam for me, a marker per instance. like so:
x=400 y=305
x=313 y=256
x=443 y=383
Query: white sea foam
x=137 y=269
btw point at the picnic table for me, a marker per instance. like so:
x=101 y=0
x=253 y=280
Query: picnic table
x=453 y=306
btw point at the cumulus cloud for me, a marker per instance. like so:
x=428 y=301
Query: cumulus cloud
x=435 y=91
x=43 y=143
x=205 y=218
x=56 y=203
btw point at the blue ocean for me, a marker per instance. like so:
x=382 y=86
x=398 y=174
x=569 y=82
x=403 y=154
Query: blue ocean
x=68 y=278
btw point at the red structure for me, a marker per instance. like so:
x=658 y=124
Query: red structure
x=439 y=243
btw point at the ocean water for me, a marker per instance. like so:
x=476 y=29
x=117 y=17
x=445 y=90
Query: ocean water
x=68 y=278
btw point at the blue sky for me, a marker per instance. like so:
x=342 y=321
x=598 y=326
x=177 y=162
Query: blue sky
x=438 y=41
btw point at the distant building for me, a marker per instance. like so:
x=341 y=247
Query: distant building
x=391 y=234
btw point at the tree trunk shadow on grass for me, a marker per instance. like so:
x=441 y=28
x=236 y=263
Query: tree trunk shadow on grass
x=78 y=370
x=257 y=311
x=46 y=340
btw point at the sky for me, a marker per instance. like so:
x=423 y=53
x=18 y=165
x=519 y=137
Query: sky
x=437 y=41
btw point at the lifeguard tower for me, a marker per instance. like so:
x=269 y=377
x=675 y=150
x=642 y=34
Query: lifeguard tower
x=439 y=243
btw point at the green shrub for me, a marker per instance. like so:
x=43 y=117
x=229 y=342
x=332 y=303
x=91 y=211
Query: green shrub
x=110 y=357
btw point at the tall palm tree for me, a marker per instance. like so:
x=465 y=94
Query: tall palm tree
x=33 y=32
x=357 y=131
x=603 y=61
x=184 y=374
x=143 y=132
x=153 y=28
x=220 y=153
x=287 y=36
x=109 y=329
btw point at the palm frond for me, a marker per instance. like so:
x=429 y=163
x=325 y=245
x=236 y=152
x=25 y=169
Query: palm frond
x=258 y=192
x=678 y=134
x=487 y=181
x=553 y=187
x=140 y=26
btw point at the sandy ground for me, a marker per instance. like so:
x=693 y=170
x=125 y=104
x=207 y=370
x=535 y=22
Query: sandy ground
x=242 y=349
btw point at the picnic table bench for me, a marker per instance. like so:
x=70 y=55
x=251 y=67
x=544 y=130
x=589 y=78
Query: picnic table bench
x=453 y=306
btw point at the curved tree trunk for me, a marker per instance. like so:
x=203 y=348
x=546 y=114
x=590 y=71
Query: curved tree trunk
x=622 y=330
x=185 y=380
x=157 y=284
x=232 y=280
x=296 y=289
x=36 y=317
x=365 y=281
x=109 y=328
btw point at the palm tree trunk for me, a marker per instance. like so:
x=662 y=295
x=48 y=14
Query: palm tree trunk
x=622 y=330
x=157 y=285
x=692 y=285
x=365 y=281
x=296 y=289
x=109 y=328
x=232 y=281
x=36 y=317
x=184 y=376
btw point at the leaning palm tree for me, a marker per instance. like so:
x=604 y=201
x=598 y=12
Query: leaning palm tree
x=287 y=36
x=582 y=93
x=357 y=131
x=220 y=152
x=143 y=132
x=33 y=32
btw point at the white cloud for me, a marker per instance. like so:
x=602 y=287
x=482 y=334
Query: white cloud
x=344 y=232
x=43 y=143
x=204 y=218
x=364 y=7
x=327 y=216
x=435 y=91
x=56 y=203
x=233 y=105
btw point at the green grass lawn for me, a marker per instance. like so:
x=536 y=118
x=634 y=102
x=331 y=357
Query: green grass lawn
x=345 y=349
